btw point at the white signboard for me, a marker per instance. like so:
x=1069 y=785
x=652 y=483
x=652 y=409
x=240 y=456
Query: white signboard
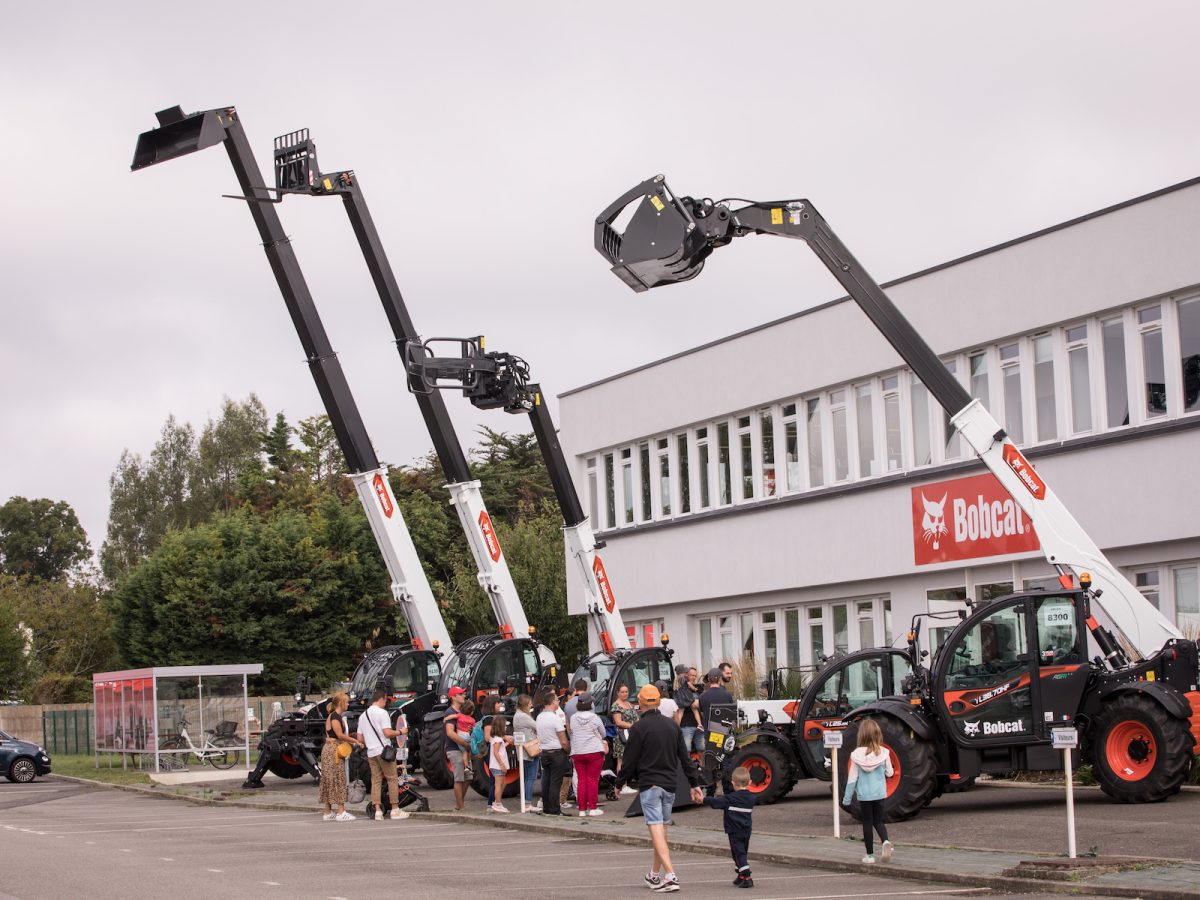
x=1058 y=615
x=1064 y=738
x=518 y=739
x=831 y=739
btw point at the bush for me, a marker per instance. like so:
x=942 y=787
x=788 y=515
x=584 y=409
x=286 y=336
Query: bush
x=60 y=688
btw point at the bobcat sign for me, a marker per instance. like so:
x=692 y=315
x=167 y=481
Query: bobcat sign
x=967 y=518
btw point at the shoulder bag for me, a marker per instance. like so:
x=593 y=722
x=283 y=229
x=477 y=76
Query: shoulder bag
x=389 y=749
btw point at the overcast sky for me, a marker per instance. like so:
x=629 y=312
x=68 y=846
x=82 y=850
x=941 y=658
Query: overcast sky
x=486 y=137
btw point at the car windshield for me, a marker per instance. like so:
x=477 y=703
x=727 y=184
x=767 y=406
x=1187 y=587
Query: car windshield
x=5 y=736
x=598 y=674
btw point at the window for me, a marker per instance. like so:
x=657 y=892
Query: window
x=922 y=455
x=1081 y=386
x=593 y=492
x=891 y=423
x=646 y=478
x=1147 y=584
x=1116 y=390
x=943 y=600
x=664 y=476
x=745 y=459
x=706 y=644
x=725 y=625
x=1187 y=598
x=791 y=620
x=887 y=623
x=837 y=420
x=1057 y=636
x=841 y=628
x=866 y=431
x=1043 y=388
x=610 y=491
x=770 y=642
x=747 y=626
x=1189 y=345
x=685 y=489
x=1010 y=379
x=985 y=593
x=816 y=634
x=816 y=461
x=979 y=377
x=723 y=474
x=1154 y=370
x=866 y=624
x=792 y=450
x=767 y=438
x=953 y=442
x=627 y=483
x=702 y=475
x=993 y=652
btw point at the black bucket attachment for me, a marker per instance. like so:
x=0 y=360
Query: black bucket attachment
x=179 y=135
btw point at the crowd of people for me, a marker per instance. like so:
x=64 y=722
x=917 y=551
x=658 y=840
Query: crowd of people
x=563 y=745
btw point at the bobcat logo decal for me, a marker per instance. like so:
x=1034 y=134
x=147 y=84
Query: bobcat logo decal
x=934 y=520
x=970 y=729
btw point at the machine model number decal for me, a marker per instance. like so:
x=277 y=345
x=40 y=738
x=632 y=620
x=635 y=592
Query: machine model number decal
x=1024 y=472
x=606 y=594
x=381 y=492
x=489 y=536
x=992 y=694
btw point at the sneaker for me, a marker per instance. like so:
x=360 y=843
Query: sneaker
x=329 y=816
x=343 y=817
x=886 y=855
x=745 y=883
x=568 y=805
x=398 y=814
x=869 y=859
x=537 y=807
x=628 y=790
x=595 y=812
x=378 y=815
x=498 y=807
x=583 y=814
x=669 y=884
x=653 y=880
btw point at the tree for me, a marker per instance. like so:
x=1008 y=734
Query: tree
x=14 y=663
x=277 y=445
x=321 y=459
x=41 y=538
x=228 y=451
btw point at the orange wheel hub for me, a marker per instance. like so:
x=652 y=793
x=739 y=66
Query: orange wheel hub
x=1130 y=750
x=760 y=773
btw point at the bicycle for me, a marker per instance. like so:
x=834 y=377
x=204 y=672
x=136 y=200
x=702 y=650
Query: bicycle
x=216 y=747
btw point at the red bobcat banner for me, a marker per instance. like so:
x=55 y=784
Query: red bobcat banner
x=606 y=594
x=968 y=518
x=381 y=491
x=489 y=536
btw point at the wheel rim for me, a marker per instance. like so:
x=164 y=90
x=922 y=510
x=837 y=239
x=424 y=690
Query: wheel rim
x=893 y=781
x=23 y=770
x=289 y=759
x=760 y=773
x=1130 y=750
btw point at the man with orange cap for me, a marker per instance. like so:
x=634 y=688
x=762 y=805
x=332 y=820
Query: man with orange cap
x=653 y=757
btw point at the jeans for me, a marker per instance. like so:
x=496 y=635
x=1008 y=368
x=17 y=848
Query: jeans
x=532 y=767
x=380 y=771
x=693 y=738
x=554 y=767
x=587 y=768
x=656 y=805
x=872 y=818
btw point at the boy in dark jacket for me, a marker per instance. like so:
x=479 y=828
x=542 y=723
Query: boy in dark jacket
x=738 y=806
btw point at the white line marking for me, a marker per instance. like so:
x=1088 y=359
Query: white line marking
x=163 y=858
x=214 y=870
x=272 y=883
x=123 y=850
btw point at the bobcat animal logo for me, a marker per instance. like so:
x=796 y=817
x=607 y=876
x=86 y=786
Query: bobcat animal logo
x=970 y=729
x=933 y=522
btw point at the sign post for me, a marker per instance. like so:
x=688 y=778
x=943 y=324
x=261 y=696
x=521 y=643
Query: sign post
x=519 y=741
x=1067 y=739
x=832 y=740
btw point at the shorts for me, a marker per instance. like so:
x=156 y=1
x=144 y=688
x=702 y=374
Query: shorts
x=495 y=772
x=656 y=805
x=457 y=764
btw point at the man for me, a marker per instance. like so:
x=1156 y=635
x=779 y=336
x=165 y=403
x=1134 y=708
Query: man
x=552 y=735
x=653 y=756
x=374 y=730
x=687 y=697
x=715 y=692
x=458 y=749
x=572 y=703
x=726 y=674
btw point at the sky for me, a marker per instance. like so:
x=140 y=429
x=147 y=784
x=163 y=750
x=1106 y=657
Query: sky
x=486 y=138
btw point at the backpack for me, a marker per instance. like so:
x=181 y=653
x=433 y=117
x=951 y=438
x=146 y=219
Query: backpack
x=478 y=742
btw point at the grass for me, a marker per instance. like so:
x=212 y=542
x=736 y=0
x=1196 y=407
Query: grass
x=85 y=767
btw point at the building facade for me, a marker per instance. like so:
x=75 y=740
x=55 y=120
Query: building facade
x=793 y=490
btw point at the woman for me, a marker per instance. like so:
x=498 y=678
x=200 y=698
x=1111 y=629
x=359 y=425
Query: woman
x=523 y=723
x=333 y=773
x=588 y=748
x=624 y=714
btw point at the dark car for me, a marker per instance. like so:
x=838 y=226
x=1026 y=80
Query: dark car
x=22 y=761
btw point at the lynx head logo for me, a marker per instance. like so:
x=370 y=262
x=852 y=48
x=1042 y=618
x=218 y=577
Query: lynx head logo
x=970 y=729
x=934 y=520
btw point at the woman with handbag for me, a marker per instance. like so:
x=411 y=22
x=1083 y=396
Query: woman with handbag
x=339 y=744
x=524 y=724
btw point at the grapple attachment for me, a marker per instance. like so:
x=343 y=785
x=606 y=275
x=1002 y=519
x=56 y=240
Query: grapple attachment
x=179 y=134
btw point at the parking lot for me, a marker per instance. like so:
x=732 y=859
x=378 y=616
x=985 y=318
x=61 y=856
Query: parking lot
x=109 y=844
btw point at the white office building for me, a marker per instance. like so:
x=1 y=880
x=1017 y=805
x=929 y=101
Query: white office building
x=793 y=490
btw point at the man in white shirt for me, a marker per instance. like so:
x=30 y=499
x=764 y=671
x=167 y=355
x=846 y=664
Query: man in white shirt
x=552 y=735
x=375 y=731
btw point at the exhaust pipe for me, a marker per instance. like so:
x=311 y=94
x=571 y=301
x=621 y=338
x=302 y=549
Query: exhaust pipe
x=179 y=134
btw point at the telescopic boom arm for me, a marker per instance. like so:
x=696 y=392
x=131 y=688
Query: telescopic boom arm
x=296 y=172
x=493 y=380
x=668 y=239
x=179 y=134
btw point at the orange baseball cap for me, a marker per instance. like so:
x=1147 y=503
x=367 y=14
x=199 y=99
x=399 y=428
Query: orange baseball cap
x=649 y=696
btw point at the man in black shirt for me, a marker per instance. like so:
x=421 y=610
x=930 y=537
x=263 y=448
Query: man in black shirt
x=653 y=756
x=715 y=692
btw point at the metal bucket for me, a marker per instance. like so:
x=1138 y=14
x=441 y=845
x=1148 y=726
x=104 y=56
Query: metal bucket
x=178 y=135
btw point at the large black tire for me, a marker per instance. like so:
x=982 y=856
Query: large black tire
x=285 y=767
x=914 y=760
x=772 y=777
x=433 y=755
x=22 y=771
x=958 y=785
x=512 y=786
x=1140 y=752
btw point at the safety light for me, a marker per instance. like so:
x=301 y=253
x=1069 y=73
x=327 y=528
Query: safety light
x=532 y=630
x=1085 y=580
x=665 y=639
x=436 y=643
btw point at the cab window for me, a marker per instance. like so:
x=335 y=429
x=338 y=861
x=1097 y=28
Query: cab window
x=1057 y=636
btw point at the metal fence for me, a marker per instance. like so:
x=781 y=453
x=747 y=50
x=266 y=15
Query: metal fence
x=67 y=731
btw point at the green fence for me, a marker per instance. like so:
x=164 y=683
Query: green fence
x=67 y=731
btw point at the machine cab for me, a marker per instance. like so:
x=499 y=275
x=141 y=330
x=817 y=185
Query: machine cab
x=606 y=672
x=492 y=665
x=1013 y=669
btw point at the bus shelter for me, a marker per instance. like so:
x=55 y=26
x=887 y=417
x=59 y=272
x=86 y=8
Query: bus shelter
x=168 y=717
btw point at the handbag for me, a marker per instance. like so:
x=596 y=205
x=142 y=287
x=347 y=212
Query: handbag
x=389 y=750
x=344 y=750
x=532 y=748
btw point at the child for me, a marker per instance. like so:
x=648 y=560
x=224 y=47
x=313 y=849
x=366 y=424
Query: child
x=463 y=726
x=738 y=806
x=498 y=761
x=870 y=767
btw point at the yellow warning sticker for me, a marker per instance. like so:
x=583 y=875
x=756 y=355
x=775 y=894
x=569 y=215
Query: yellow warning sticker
x=328 y=185
x=777 y=216
x=658 y=204
x=715 y=738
